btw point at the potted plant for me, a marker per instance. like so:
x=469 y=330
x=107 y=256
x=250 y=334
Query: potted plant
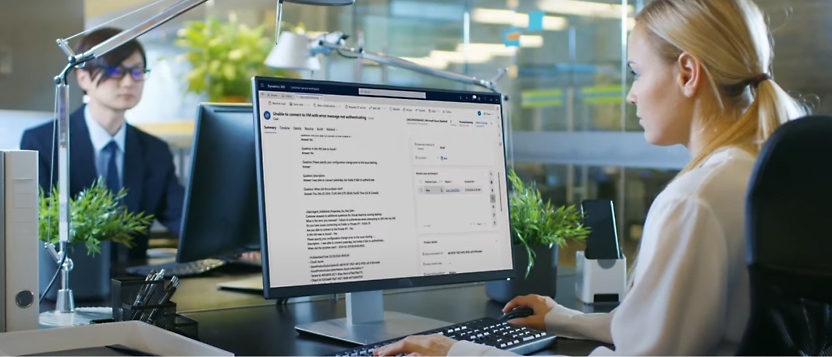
x=97 y=218
x=538 y=230
x=224 y=56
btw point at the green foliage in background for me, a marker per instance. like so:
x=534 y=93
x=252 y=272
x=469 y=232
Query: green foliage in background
x=535 y=222
x=224 y=56
x=96 y=215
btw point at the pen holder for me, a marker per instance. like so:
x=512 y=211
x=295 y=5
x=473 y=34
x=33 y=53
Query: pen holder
x=139 y=299
x=130 y=293
x=142 y=300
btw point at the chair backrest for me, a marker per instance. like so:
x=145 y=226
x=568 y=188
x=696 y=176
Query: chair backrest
x=789 y=242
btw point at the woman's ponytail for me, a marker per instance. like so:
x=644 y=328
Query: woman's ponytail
x=772 y=107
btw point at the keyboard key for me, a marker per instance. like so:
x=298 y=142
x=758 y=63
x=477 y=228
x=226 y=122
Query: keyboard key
x=489 y=332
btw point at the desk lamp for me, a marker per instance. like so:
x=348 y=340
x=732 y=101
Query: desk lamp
x=298 y=52
x=65 y=301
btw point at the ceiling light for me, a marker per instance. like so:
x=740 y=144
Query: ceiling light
x=494 y=49
x=535 y=41
x=440 y=59
x=584 y=8
x=460 y=57
x=508 y=17
x=499 y=49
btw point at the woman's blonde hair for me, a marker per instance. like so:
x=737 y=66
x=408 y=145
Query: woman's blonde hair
x=731 y=40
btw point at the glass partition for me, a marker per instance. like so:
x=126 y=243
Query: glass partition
x=571 y=130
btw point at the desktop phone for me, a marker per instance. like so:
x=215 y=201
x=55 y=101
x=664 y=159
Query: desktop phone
x=602 y=241
x=364 y=188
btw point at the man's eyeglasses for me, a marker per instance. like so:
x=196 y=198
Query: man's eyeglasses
x=137 y=73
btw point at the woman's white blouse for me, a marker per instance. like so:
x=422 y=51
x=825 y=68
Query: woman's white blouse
x=691 y=290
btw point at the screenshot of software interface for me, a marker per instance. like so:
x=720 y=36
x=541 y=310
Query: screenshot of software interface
x=363 y=187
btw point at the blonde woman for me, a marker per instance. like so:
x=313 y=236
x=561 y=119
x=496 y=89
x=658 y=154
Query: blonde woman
x=702 y=80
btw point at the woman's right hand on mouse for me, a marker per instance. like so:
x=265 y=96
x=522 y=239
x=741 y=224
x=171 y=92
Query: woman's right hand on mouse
x=541 y=306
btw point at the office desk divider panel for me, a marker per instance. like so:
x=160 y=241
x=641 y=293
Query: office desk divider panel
x=135 y=335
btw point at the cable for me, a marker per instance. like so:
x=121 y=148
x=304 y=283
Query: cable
x=49 y=216
x=57 y=271
x=340 y=52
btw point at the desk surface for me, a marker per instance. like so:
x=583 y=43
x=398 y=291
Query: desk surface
x=247 y=324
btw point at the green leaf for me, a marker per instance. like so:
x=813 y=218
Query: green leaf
x=225 y=55
x=96 y=215
x=535 y=222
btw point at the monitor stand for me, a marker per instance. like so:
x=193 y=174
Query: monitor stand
x=367 y=322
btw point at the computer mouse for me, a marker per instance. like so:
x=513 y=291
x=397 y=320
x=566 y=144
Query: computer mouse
x=516 y=313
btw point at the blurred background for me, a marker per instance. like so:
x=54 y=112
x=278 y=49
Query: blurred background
x=572 y=132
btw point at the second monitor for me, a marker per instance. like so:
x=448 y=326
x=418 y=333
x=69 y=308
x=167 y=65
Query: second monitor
x=219 y=217
x=365 y=188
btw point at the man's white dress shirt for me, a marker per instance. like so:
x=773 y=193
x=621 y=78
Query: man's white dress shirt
x=100 y=138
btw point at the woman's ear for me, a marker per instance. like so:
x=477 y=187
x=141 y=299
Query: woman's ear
x=690 y=74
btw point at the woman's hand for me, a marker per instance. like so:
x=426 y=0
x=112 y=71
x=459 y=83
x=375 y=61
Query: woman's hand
x=541 y=306
x=418 y=345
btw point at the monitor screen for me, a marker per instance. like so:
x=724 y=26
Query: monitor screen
x=367 y=187
x=219 y=217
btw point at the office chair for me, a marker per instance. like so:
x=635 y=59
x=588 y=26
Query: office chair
x=789 y=242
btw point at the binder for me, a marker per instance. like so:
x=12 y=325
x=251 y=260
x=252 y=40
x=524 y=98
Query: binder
x=19 y=241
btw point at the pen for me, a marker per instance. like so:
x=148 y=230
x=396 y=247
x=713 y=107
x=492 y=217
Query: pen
x=153 y=288
x=149 y=293
x=145 y=287
x=168 y=293
x=143 y=291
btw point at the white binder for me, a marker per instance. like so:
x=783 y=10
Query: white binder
x=19 y=240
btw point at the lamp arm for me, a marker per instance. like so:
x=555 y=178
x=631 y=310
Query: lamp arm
x=134 y=32
x=405 y=64
x=65 y=302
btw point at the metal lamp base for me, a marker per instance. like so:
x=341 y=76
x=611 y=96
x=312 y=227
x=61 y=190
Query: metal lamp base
x=65 y=302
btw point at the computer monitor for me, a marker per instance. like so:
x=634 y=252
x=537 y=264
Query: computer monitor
x=220 y=213
x=367 y=187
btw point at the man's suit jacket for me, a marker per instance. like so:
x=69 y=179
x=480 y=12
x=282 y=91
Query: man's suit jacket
x=148 y=174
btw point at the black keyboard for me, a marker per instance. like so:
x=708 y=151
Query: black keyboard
x=179 y=269
x=485 y=331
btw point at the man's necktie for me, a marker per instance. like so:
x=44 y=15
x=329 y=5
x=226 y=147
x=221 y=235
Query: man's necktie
x=112 y=179
x=114 y=185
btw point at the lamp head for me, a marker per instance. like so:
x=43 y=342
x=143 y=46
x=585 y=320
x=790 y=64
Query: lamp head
x=293 y=52
x=323 y=2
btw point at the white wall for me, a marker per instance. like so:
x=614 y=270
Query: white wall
x=14 y=122
x=28 y=30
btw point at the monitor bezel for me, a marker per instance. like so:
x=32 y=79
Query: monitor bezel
x=203 y=109
x=270 y=292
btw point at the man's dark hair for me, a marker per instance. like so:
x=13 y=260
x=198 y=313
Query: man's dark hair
x=113 y=58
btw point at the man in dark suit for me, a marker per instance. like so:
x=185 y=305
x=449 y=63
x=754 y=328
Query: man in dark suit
x=103 y=144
